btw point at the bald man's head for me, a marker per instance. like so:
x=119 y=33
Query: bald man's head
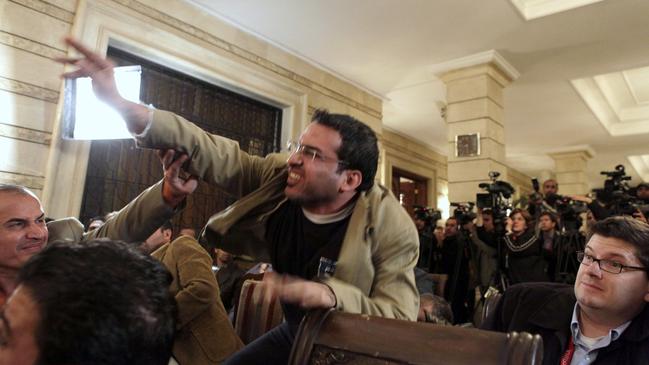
x=23 y=232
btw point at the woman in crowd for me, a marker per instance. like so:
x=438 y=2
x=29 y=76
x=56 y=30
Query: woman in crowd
x=523 y=250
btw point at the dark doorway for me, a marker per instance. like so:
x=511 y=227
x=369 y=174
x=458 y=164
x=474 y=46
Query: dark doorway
x=118 y=171
x=410 y=189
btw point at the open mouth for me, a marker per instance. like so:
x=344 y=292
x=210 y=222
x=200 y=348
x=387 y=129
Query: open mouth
x=293 y=178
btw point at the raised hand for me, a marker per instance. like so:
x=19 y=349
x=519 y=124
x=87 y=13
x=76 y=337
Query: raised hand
x=177 y=183
x=100 y=70
x=92 y=65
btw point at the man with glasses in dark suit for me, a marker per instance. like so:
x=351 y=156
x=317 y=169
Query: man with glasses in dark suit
x=604 y=319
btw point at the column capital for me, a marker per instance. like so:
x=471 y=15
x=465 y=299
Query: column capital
x=489 y=62
x=581 y=152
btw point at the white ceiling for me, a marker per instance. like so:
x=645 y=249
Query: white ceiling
x=580 y=70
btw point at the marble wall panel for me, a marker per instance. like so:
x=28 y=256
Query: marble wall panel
x=19 y=65
x=28 y=112
x=23 y=157
x=30 y=24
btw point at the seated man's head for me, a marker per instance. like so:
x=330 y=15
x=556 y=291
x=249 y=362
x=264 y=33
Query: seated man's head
x=434 y=309
x=222 y=257
x=335 y=156
x=158 y=238
x=95 y=222
x=612 y=281
x=99 y=303
x=23 y=232
x=188 y=231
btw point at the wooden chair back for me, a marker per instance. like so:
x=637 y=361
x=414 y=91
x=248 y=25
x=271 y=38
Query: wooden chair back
x=331 y=337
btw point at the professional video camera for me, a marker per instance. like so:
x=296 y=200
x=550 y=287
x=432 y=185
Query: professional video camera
x=497 y=198
x=562 y=206
x=463 y=213
x=427 y=214
x=617 y=194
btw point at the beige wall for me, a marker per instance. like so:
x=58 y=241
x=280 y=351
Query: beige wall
x=521 y=182
x=30 y=33
x=415 y=157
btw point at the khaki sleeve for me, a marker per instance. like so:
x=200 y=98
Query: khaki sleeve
x=215 y=159
x=138 y=219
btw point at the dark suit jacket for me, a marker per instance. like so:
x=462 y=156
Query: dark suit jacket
x=204 y=333
x=546 y=309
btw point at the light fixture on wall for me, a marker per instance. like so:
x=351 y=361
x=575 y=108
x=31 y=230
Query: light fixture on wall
x=86 y=117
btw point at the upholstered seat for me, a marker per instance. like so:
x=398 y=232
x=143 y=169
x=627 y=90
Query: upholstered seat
x=256 y=314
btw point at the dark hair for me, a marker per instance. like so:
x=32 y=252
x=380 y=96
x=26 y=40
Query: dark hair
x=488 y=212
x=100 y=303
x=553 y=217
x=526 y=215
x=441 y=309
x=359 y=149
x=627 y=229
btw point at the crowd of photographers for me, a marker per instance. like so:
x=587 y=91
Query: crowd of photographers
x=489 y=245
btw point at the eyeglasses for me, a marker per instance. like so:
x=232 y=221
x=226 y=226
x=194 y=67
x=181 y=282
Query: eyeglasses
x=310 y=153
x=606 y=265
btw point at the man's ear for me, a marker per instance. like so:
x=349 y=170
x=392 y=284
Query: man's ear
x=353 y=179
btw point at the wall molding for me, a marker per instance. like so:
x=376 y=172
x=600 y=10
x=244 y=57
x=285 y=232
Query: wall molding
x=30 y=46
x=25 y=134
x=26 y=89
x=47 y=9
x=16 y=178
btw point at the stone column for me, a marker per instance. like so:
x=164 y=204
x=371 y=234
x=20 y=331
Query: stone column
x=570 y=170
x=474 y=96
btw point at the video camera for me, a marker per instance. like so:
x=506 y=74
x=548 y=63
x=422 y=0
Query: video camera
x=496 y=198
x=463 y=213
x=617 y=193
x=563 y=206
x=429 y=215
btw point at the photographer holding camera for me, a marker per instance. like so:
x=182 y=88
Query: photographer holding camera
x=617 y=198
x=545 y=201
x=455 y=263
x=485 y=241
x=425 y=220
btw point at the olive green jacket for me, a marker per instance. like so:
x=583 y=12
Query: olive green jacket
x=204 y=334
x=374 y=274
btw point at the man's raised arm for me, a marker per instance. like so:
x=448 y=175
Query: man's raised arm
x=100 y=70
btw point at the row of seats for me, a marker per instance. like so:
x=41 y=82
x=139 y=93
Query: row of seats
x=333 y=337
